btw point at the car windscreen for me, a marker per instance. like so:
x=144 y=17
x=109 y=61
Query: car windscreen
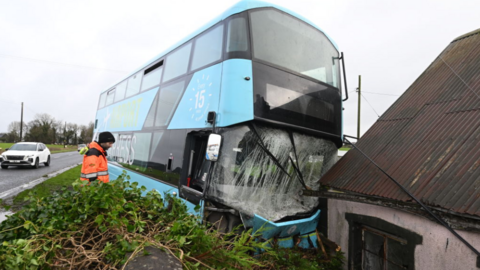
x=23 y=147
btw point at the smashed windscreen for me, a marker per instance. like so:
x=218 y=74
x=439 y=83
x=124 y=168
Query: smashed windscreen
x=260 y=171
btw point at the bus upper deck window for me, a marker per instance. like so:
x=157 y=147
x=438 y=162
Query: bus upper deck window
x=101 y=103
x=290 y=43
x=237 y=39
x=176 y=63
x=133 y=86
x=152 y=76
x=110 y=97
x=208 y=48
x=120 y=91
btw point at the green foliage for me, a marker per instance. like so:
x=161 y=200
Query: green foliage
x=300 y=259
x=94 y=227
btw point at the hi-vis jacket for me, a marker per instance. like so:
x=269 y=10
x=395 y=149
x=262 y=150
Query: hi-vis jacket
x=95 y=165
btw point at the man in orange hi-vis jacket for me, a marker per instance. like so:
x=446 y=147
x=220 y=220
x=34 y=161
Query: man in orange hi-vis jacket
x=95 y=166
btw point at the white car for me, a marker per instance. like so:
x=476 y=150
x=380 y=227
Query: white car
x=80 y=147
x=25 y=154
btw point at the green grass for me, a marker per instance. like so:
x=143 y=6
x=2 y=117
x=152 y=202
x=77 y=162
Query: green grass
x=344 y=148
x=52 y=147
x=60 y=149
x=46 y=188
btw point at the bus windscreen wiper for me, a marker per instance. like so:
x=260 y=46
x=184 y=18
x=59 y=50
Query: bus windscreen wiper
x=274 y=159
x=297 y=166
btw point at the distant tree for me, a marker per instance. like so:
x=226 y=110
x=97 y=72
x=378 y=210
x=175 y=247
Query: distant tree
x=89 y=132
x=57 y=132
x=13 y=134
x=85 y=133
x=45 y=128
x=40 y=129
x=71 y=133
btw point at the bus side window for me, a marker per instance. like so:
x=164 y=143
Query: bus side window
x=176 y=63
x=237 y=37
x=101 y=103
x=208 y=48
x=120 y=90
x=110 y=97
x=152 y=76
x=166 y=159
x=133 y=86
x=168 y=99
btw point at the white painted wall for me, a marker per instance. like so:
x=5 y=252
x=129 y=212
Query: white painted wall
x=431 y=254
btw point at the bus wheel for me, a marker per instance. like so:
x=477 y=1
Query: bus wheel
x=225 y=222
x=219 y=221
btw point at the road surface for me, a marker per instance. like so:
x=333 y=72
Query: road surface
x=15 y=177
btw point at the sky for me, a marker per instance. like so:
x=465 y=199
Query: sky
x=57 y=56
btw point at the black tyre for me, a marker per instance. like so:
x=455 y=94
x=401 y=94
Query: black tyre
x=48 y=161
x=4 y=166
x=36 y=164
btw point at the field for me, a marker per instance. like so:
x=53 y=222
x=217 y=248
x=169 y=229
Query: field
x=53 y=148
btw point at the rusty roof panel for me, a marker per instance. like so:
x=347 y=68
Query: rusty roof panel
x=428 y=140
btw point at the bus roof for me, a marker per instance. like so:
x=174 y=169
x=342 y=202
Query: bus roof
x=241 y=6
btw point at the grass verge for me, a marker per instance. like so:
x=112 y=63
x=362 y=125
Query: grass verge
x=54 y=148
x=49 y=186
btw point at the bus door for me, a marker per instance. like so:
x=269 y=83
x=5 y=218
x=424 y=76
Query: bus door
x=193 y=180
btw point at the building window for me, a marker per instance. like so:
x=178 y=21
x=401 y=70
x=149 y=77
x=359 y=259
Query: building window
x=376 y=244
x=381 y=250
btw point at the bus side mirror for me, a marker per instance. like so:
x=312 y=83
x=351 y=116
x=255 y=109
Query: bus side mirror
x=213 y=147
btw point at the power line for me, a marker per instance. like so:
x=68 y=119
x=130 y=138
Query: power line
x=7 y=102
x=381 y=94
x=59 y=63
x=370 y=105
x=31 y=110
x=459 y=77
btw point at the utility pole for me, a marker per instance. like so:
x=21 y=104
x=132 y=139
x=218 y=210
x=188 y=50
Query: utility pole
x=359 y=90
x=65 y=135
x=21 y=123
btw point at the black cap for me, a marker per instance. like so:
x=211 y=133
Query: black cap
x=106 y=137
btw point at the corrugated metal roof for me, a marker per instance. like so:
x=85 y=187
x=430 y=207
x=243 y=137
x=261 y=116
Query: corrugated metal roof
x=428 y=140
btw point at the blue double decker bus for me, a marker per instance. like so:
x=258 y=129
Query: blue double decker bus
x=239 y=118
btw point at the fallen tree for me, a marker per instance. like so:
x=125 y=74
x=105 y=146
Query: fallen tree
x=95 y=226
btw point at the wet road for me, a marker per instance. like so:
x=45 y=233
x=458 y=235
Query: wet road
x=14 y=177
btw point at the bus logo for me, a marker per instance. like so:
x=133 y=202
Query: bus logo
x=200 y=102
